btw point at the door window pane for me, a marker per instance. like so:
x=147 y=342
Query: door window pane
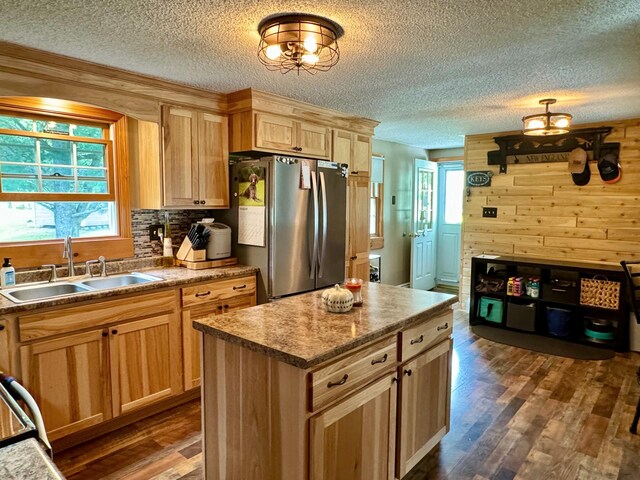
x=454 y=188
x=424 y=210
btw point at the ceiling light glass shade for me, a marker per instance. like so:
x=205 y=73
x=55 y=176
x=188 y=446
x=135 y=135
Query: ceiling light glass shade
x=299 y=42
x=547 y=123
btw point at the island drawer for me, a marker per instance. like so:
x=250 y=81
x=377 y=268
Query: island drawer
x=218 y=290
x=424 y=335
x=345 y=375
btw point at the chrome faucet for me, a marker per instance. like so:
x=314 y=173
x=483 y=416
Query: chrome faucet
x=103 y=266
x=68 y=254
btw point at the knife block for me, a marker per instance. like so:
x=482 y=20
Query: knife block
x=186 y=252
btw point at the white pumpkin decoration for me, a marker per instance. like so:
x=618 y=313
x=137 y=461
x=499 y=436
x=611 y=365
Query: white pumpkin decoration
x=337 y=299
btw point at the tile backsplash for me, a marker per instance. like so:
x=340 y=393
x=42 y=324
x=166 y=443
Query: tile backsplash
x=180 y=221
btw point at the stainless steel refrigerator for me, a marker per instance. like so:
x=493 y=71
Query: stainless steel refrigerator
x=304 y=228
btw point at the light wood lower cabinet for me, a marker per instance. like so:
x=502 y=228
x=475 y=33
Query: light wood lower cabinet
x=145 y=362
x=355 y=439
x=69 y=379
x=423 y=412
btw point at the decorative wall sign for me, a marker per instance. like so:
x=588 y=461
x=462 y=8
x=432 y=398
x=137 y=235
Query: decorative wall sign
x=552 y=148
x=479 y=179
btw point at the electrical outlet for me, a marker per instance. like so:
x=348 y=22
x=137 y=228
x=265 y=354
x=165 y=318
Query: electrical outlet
x=491 y=212
x=155 y=231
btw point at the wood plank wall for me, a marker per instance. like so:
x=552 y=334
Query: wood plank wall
x=542 y=213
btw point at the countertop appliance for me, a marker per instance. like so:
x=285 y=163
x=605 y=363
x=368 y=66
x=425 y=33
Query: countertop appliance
x=219 y=244
x=303 y=204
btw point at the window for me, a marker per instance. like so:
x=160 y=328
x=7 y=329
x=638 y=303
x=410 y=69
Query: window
x=376 y=225
x=454 y=192
x=57 y=179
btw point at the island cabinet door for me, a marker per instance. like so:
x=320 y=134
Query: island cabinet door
x=145 y=362
x=425 y=393
x=68 y=377
x=355 y=439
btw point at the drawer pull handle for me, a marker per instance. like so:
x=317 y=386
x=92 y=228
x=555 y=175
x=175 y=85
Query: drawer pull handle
x=417 y=340
x=382 y=360
x=340 y=382
x=443 y=327
x=203 y=294
x=240 y=287
x=407 y=372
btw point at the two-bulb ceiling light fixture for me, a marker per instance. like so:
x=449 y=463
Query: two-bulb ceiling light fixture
x=547 y=123
x=299 y=42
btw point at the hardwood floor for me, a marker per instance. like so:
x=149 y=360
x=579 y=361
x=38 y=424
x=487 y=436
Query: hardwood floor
x=515 y=414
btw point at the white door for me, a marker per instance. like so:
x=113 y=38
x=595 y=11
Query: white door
x=450 y=198
x=422 y=233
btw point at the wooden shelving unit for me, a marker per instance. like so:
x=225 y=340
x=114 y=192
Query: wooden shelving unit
x=546 y=270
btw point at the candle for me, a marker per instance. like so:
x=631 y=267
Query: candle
x=354 y=285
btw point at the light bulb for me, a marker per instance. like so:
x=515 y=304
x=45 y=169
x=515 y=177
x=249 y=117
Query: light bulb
x=310 y=45
x=310 y=58
x=273 y=52
x=535 y=123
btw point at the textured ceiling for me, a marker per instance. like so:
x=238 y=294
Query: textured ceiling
x=431 y=71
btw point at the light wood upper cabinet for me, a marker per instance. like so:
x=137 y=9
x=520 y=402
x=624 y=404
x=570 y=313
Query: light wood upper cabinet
x=425 y=392
x=353 y=149
x=355 y=438
x=314 y=140
x=145 y=362
x=196 y=170
x=273 y=133
x=358 y=244
x=68 y=377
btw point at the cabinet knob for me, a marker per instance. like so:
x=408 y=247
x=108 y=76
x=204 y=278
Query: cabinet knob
x=226 y=307
x=114 y=331
x=195 y=202
x=1 y=327
x=407 y=372
x=104 y=334
x=342 y=381
x=355 y=257
x=394 y=380
x=202 y=202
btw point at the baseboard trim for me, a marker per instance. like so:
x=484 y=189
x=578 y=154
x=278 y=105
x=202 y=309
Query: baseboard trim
x=404 y=285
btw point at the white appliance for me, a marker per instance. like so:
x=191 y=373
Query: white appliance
x=219 y=244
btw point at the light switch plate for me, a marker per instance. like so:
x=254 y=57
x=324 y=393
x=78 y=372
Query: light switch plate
x=490 y=212
x=155 y=231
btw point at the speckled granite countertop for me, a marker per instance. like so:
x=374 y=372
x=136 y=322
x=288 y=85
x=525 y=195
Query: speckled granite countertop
x=172 y=276
x=299 y=331
x=26 y=460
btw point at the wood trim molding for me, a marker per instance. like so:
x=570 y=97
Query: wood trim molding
x=26 y=71
x=251 y=99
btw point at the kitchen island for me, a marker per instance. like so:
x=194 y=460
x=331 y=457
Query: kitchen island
x=290 y=391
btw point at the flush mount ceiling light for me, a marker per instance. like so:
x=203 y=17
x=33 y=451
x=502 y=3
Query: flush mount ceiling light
x=299 y=42
x=547 y=123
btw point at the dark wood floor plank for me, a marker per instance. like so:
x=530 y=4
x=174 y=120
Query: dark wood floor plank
x=515 y=414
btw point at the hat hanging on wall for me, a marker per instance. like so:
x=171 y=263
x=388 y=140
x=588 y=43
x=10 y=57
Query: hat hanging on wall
x=579 y=166
x=610 y=169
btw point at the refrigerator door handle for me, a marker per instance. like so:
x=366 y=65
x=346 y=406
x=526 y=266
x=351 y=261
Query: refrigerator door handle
x=314 y=186
x=323 y=189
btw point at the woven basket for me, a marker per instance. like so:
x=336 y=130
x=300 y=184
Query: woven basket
x=600 y=292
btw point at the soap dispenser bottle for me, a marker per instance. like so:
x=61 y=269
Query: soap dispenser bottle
x=7 y=274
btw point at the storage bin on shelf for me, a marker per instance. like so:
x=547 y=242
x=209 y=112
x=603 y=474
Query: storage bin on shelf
x=521 y=317
x=490 y=309
x=563 y=291
x=559 y=321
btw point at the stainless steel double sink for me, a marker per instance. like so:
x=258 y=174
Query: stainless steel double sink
x=30 y=293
